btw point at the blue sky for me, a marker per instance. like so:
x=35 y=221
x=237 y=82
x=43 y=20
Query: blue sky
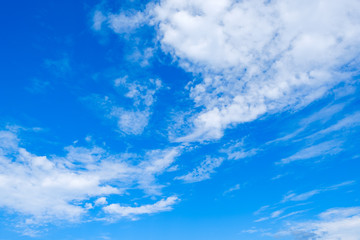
x=180 y=119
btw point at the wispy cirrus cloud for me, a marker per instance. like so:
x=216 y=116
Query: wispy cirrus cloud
x=335 y=223
x=281 y=210
x=327 y=148
x=305 y=196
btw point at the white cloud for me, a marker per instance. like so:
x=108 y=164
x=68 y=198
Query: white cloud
x=333 y=224
x=133 y=118
x=98 y=20
x=325 y=148
x=100 y=201
x=141 y=94
x=234 y=188
x=116 y=210
x=124 y=22
x=350 y=121
x=257 y=56
x=323 y=115
x=203 y=171
x=234 y=151
x=238 y=151
x=275 y=214
x=301 y=197
x=130 y=122
x=47 y=189
x=305 y=196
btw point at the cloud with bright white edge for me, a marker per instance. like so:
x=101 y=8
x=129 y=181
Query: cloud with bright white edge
x=258 y=56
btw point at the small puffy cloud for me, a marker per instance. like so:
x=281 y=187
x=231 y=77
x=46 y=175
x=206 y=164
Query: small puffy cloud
x=100 y=201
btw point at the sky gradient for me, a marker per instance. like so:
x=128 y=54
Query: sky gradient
x=180 y=119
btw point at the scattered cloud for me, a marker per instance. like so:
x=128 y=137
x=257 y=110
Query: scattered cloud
x=294 y=57
x=232 y=189
x=55 y=188
x=336 y=223
x=117 y=210
x=307 y=195
x=202 y=172
x=348 y=122
x=124 y=22
x=131 y=118
x=100 y=201
x=272 y=213
x=331 y=147
x=238 y=150
x=130 y=122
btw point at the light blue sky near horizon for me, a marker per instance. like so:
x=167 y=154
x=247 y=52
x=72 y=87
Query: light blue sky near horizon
x=179 y=120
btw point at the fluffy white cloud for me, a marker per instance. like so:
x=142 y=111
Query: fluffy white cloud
x=257 y=56
x=60 y=188
x=100 y=201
